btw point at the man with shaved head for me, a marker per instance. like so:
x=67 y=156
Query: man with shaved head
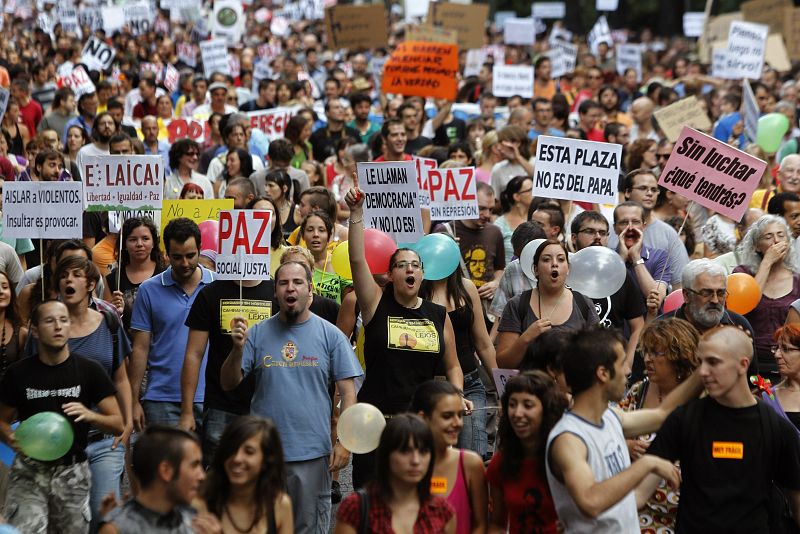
x=732 y=448
x=642 y=115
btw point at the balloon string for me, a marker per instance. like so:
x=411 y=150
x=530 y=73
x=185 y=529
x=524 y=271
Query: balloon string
x=669 y=251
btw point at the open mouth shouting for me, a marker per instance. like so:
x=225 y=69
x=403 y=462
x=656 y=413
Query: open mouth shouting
x=410 y=281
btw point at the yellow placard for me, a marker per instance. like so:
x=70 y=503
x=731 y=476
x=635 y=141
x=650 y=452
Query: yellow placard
x=196 y=210
x=253 y=310
x=439 y=485
x=727 y=450
x=412 y=334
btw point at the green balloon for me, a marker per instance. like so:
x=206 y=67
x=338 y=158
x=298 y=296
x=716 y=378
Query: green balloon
x=45 y=436
x=771 y=129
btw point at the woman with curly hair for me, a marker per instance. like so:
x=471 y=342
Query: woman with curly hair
x=786 y=394
x=521 y=501
x=766 y=254
x=641 y=155
x=246 y=485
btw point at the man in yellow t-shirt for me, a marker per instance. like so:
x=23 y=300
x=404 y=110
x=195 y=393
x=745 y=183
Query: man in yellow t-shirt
x=788 y=178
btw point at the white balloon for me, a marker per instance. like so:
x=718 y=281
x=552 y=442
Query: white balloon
x=526 y=258
x=360 y=427
x=597 y=272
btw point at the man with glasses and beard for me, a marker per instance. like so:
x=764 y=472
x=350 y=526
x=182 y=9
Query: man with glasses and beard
x=705 y=291
x=293 y=356
x=104 y=127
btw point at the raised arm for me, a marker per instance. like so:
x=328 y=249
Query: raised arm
x=368 y=292
x=640 y=422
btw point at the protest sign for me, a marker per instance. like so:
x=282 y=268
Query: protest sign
x=181 y=128
x=424 y=165
x=227 y=21
x=563 y=57
x=510 y=80
x=606 y=5
x=712 y=173
x=97 y=55
x=468 y=20
x=244 y=239
x=118 y=183
x=500 y=18
x=776 y=54
x=719 y=62
x=453 y=193
x=629 y=56
x=138 y=17
x=431 y=34
x=67 y=16
x=559 y=33
x=791 y=31
x=171 y=78
x=187 y=52
x=422 y=69
x=78 y=81
x=272 y=121
x=519 y=31
x=391 y=202
x=50 y=210
x=600 y=33
x=549 y=10
x=572 y=169
x=416 y=9
x=91 y=17
x=769 y=12
x=351 y=26
x=196 y=210
x=693 y=22
x=747 y=43
x=687 y=111
x=4 y=95
x=478 y=56
x=214 y=54
x=750 y=112
x=716 y=29
x=501 y=378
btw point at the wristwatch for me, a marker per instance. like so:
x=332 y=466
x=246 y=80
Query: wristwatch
x=640 y=261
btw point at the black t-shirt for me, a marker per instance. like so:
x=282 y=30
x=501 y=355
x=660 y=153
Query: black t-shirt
x=323 y=141
x=252 y=105
x=32 y=387
x=418 y=143
x=455 y=130
x=625 y=304
x=94 y=225
x=402 y=348
x=129 y=291
x=212 y=311
x=726 y=465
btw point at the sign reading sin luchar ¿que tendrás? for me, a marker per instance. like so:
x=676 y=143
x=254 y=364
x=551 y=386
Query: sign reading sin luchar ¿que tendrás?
x=712 y=173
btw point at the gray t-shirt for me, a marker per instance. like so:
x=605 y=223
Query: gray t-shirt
x=293 y=365
x=133 y=517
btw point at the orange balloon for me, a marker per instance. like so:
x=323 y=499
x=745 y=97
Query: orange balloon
x=743 y=293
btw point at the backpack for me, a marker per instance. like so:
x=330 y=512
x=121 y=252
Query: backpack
x=112 y=323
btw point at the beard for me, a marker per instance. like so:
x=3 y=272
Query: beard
x=291 y=315
x=706 y=316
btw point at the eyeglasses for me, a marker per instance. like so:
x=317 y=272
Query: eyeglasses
x=709 y=293
x=645 y=189
x=662 y=156
x=593 y=232
x=523 y=191
x=415 y=265
x=783 y=348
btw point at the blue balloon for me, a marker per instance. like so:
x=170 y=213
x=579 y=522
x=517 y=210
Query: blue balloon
x=7 y=454
x=8 y=529
x=440 y=255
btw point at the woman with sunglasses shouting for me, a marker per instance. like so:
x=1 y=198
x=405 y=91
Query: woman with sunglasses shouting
x=406 y=339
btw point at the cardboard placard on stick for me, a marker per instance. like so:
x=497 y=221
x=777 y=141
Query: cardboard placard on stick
x=244 y=244
x=422 y=69
x=431 y=34
x=272 y=121
x=747 y=44
x=469 y=20
x=453 y=193
x=118 y=183
x=350 y=26
x=791 y=31
x=391 y=196
x=49 y=210
x=196 y=210
x=687 y=111
x=769 y=12
x=776 y=55
x=572 y=169
x=712 y=173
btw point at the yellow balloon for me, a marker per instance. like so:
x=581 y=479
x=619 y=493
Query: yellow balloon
x=360 y=427
x=340 y=259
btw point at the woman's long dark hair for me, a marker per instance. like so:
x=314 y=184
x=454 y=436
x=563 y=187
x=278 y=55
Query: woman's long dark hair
x=454 y=287
x=272 y=479
x=276 y=239
x=513 y=187
x=12 y=312
x=127 y=229
x=403 y=432
x=553 y=402
x=245 y=164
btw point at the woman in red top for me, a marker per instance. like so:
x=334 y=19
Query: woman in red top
x=400 y=497
x=518 y=492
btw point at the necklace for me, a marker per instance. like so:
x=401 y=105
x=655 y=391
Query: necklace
x=558 y=301
x=3 y=362
x=235 y=526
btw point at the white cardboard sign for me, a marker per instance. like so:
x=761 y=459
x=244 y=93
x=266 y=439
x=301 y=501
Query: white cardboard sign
x=549 y=10
x=563 y=57
x=693 y=22
x=97 y=55
x=79 y=81
x=519 y=31
x=453 y=193
x=391 y=199
x=510 y=80
x=227 y=21
x=572 y=169
x=215 y=56
x=424 y=166
x=51 y=210
x=750 y=112
x=629 y=56
x=244 y=240
x=119 y=183
x=600 y=33
x=747 y=43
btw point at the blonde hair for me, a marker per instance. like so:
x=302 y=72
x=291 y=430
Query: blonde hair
x=295 y=249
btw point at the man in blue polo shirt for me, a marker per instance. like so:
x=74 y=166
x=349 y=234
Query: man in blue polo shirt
x=159 y=338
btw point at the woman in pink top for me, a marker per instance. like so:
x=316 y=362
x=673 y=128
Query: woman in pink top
x=458 y=474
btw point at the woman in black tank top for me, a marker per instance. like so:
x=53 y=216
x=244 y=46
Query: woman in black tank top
x=460 y=297
x=246 y=486
x=405 y=337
